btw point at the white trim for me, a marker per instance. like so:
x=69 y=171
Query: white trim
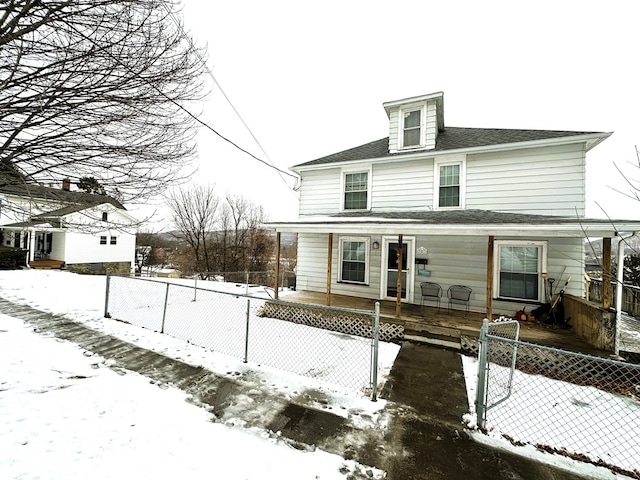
x=367 y=168
x=411 y=256
x=367 y=258
x=542 y=266
x=414 y=107
x=444 y=161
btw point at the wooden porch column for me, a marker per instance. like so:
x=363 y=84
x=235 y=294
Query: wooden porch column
x=490 y=279
x=399 y=282
x=606 y=273
x=277 y=280
x=329 y=258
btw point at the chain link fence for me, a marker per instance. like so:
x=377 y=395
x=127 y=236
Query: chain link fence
x=243 y=326
x=563 y=402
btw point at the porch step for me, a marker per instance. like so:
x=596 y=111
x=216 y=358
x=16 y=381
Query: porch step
x=46 y=264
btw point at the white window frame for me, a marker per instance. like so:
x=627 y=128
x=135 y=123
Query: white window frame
x=422 y=107
x=542 y=267
x=436 y=182
x=347 y=171
x=367 y=242
x=104 y=240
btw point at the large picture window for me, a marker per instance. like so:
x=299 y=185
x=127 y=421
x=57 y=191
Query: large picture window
x=354 y=257
x=356 y=191
x=519 y=270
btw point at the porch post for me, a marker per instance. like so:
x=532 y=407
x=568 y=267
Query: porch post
x=606 y=273
x=329 y=258
x=277 y=279
x=399 y=282
x=32 y=245
x=490 y=278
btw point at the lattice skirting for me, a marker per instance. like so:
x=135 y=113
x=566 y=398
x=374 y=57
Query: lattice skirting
x=334 y=320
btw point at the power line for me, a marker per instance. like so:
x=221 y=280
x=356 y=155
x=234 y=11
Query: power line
x=204 y=63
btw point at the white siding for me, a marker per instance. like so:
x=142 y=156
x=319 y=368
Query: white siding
x=393 y=129
x=403 y=186
x=431 y=126
x=453 y=260
x=548 y=181
x=320 y=192
x=86 y=248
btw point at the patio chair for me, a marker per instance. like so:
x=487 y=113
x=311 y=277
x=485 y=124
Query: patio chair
x=459 y=294
x=431 y=291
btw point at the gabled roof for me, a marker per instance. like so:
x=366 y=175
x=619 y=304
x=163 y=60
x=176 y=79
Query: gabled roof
x=34 y=191
x=457 y=138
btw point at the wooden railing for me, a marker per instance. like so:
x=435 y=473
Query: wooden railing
x=630 y=296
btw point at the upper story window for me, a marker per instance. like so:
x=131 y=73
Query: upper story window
x=105 y=216
x=103 y=239
x=113 y=240
x=411 y=128
x=356 y=191
x=449 y=184
x=519 y=266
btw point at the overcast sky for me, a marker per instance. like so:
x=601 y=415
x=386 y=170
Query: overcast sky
x=309 y=79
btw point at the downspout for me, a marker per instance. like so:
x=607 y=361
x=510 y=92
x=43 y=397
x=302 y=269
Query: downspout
x=619 y=290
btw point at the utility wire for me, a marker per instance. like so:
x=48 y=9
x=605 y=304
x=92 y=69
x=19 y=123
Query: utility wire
x=204 y=63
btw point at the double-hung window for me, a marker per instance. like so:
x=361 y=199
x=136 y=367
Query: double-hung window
x=519 y=270
x=449 y=184
x=412 y=128
x=356 y=191
x=103 y=239
x=354 y=260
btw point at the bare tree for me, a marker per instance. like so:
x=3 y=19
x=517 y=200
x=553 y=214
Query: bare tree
x=94 y=89
x=220 y=237
x=194 y=213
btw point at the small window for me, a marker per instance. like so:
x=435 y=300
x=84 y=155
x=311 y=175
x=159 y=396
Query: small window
x=105 y=216
x=519 y=270
x=354 y=258
x=356 y=187
x=113 y=240
x=411 y=128
x=103 y=240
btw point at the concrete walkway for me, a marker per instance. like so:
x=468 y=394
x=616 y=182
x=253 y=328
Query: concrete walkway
x=425 y=393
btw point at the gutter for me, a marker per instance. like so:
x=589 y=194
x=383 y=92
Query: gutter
x=619 y=290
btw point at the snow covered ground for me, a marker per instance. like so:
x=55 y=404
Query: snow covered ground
x=64 y=414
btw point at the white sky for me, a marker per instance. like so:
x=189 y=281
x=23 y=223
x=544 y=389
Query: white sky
x=310 y=80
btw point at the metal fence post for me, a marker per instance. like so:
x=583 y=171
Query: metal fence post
x=481 y=393
x=106 y=296
x=246 y=333
x=195 y=287
x=164 y=310
x=374 y=361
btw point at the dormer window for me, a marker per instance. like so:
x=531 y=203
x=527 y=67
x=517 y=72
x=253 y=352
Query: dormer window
x=105 y=216
x=411 y=128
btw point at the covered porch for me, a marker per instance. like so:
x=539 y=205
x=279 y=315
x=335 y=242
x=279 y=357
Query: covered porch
x=450 y=329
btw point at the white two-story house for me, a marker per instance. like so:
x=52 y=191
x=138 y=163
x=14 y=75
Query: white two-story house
x=496 y=210
x=83 y=232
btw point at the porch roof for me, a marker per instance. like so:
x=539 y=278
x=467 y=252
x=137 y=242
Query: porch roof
x=469 y=222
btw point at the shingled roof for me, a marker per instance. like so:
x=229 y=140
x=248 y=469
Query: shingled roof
x=451 y=138
x=39 y=192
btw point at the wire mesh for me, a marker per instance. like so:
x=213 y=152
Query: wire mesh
x=244 y=327
x=578 y=405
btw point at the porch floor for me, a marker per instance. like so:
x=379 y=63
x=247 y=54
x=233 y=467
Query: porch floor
x=433 y=325
x=46 y=264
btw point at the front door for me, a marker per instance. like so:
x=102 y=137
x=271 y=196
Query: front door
x=391 y=269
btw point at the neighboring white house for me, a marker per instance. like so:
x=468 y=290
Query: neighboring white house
x=84 y=232
x=497 y=210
